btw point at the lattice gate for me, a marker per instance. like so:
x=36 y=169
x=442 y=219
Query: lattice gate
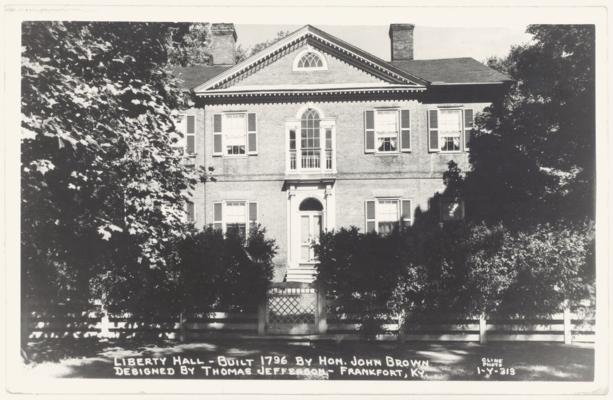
x=292 y=308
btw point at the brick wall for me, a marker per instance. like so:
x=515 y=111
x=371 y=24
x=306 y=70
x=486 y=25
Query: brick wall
x=281 y=72
x=260 y=178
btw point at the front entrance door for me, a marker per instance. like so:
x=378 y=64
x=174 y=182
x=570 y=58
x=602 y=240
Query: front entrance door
x=310 y=230
x=307 y=221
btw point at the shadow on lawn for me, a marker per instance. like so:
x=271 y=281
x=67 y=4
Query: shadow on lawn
x=531 y=361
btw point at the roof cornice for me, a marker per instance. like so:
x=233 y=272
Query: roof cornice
x=308 y=92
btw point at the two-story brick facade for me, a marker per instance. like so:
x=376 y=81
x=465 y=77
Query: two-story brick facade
x=313 y=133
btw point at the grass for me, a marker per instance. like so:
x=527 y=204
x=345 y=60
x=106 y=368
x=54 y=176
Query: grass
x=531 y=361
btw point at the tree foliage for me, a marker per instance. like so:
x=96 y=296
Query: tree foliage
x=459 y=269
x=533 y=155
x=244 y=53
x=101 y=171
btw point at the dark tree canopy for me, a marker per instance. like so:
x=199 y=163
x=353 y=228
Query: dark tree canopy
x=533 y=156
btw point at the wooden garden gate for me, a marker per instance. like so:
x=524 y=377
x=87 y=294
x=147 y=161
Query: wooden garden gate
x=292 y=308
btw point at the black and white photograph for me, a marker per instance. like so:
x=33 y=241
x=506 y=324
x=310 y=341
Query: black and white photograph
x=218 y=201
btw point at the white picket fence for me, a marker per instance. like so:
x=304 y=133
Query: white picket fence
x=563 y=327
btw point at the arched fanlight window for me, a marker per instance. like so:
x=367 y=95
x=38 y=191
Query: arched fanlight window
x=311 y=204
x=310 y=60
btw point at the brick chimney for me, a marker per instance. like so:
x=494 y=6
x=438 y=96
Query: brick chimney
x=223 y=44
x=401 y=38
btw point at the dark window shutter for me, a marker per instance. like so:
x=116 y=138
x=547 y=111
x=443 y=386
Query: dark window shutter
x=253 y=214
x=190 y=211
x=252 y=134
x=468 y=127
x=191 y=124
x=217 y=123
x=217 y=212
x=406 y=210
x=217 y=134
x=433 y=130
x=369 y=131
x=190 y=146
x=405 y=130
x=369 y=211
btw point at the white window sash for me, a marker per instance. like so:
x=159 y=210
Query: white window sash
x=443 y=134
x=226 y=117
x=391 y=134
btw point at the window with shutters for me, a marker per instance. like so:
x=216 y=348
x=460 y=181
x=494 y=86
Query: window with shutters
x=383 y=215
x=235 y=216
x=187 y=127
x=234 y=134
x=449 y=129
x=387 y=131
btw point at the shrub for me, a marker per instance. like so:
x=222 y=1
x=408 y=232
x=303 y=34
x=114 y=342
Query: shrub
x=227 y=273
x=553 y=264
x=459 y=268
x=360 y=272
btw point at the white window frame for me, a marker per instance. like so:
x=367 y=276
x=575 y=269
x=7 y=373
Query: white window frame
x=462 y=135
x=304 y=52
x=398 y=144
x=399 y=220
x=295 y=125
x=224 y=221
x=224 y=125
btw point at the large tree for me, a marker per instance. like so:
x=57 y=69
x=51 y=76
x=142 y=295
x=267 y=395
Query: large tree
x=533 y=156
x=103 y=183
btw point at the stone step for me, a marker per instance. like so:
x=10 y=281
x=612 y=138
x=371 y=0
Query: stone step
x=301 y=274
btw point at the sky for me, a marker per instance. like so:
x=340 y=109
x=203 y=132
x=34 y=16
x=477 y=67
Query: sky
x=430 y=42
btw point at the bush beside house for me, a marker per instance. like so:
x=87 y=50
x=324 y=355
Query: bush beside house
x=460 y=268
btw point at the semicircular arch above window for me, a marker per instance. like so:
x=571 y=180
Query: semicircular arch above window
x=310 y=60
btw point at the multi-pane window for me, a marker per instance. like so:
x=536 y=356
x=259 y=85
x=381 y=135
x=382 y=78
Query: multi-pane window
x=446 y=128
x=450 y=129
x=309 y=139
x=235 y=216
x=388 y=213
x=385 y=214
x=386 y=130
x=235 y=133
x=310 y=60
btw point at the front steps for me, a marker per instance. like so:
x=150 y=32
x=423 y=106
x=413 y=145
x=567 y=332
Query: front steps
x=303 y=273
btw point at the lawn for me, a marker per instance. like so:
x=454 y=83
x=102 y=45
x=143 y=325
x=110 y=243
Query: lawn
x=282 y=360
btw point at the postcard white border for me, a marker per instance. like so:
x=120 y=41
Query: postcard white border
x=367 y=13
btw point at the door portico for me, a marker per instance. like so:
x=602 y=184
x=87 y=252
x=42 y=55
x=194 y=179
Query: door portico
x=310 y=212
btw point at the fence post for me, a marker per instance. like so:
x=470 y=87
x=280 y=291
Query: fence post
x=568 y=326
x=105 y=323
x=181 y=327
x=321 y=318
x=402 y=316
x=262 y=317
x=482 y=328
